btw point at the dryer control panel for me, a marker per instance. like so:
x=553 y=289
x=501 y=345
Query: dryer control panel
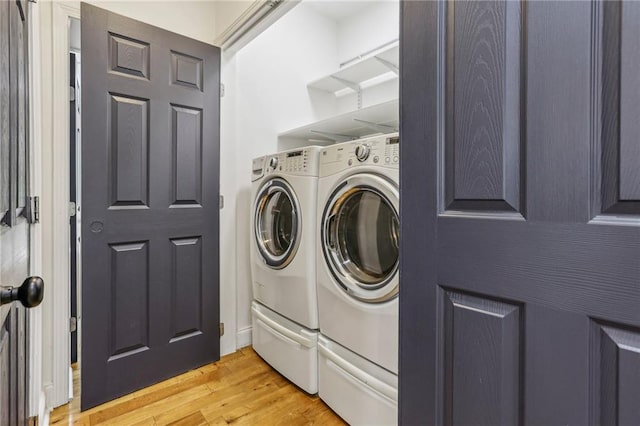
x=257 y=168
x=383 y=151
x=303 y=161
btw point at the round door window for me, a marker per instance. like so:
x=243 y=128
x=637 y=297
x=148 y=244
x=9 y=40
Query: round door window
x=362 y=240
x=276 y=223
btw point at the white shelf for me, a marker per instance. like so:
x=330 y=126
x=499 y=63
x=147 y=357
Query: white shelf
x=349 y=126
x=378 y=64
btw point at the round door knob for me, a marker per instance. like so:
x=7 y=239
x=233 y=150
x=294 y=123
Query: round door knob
x=30 y=293
x=362 y=152
x=273 y=163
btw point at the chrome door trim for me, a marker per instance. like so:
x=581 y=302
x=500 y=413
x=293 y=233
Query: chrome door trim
x=386 y=289
x=271 y=186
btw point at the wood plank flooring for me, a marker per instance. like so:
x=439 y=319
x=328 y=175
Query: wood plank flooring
x=239 y=389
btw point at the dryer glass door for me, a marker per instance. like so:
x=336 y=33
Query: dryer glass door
x=361 y=237
x=276 y=223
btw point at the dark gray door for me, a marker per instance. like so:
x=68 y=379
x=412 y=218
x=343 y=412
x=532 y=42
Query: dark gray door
x=14 y=229
x=520 y=213
x=150 y=174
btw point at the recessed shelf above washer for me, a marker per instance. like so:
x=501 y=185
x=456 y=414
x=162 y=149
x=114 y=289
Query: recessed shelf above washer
x=379 y=118
x=374 y=68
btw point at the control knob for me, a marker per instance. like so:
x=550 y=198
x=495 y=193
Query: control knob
x=362 y=152
x=273 y=163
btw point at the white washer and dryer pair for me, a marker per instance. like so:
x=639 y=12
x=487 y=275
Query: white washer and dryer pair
x=357 y=279
x=283 y=266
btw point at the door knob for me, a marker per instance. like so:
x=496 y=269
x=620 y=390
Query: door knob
x=30 y=293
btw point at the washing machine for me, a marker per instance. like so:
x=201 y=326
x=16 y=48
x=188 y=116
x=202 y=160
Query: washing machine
x=357 y=276
x=282 y=252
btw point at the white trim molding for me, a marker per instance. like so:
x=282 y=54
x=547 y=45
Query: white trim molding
x=54 y=216
x=36 y=400
x=244 y=337
x=254 y=20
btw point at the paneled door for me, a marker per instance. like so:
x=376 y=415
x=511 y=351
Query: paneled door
x=520 y=213
x=150 y=175
x=14 y=227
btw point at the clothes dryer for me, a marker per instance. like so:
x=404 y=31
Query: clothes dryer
x=358 y=241
x=357 y=252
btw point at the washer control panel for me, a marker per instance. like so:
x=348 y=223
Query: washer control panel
x=383 y=150
x=392 y=151
x=362 y=152
x=301 y=161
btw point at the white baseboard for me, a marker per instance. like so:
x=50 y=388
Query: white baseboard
x=43 y=413
x=48 y=395
x=70 y=383
x=44 y=420
x=243 y=337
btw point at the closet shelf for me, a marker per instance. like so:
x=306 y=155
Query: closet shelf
x=381 y=66
x=379 y=118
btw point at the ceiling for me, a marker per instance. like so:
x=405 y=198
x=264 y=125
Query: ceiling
x=341 y=9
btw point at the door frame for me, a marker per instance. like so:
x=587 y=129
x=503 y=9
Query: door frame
x=35 y=397
x=54 y=204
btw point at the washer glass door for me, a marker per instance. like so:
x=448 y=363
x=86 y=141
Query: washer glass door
x=277 y=223
x=361 y=237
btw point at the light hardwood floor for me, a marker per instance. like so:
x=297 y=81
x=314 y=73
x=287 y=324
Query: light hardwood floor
x=239 y=389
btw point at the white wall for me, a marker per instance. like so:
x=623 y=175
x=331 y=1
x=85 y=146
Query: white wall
x=270 y=91
x=355 y=37
x=228 y=189
x=195 y=19
x=371 y=27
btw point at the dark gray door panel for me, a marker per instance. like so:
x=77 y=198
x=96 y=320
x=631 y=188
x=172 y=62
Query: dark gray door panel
x=150 y=159
x=520 y=214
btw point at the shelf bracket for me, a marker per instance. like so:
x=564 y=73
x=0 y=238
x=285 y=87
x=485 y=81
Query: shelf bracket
x=392 y=67
x=336 y=137
x=350 y=84
x=382 y=128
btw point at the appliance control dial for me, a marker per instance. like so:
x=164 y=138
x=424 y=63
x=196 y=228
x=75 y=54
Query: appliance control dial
x=362 y=152
x=273 y=163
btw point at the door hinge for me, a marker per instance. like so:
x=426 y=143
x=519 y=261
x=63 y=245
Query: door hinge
x=33 y=209
x=221 y=201
x=221 y=329
x=72 y=208
x=73 y=324
x=222 y=90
